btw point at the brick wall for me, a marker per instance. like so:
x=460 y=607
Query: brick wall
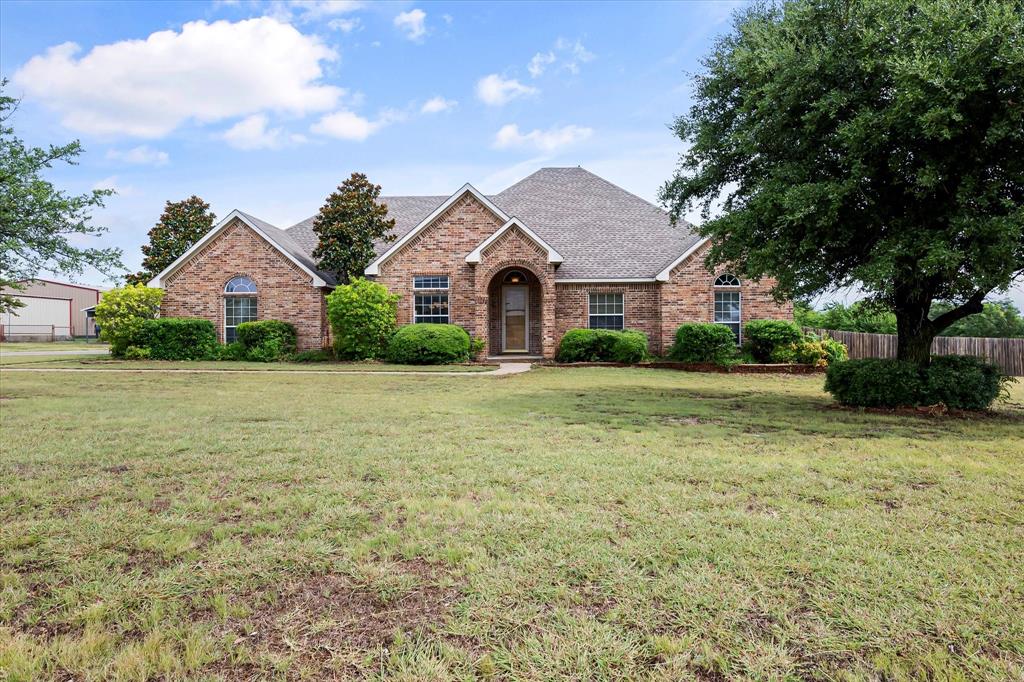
x=284 y=291
x=641 y=303
x=689 y=296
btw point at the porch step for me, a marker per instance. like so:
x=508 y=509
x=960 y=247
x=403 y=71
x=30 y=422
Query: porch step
x=515 y=358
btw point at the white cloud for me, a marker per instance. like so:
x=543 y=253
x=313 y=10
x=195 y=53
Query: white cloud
x=143 y=155
x=252 y=133
x=207 y=73
x=544 y=140
x=448 y=19
x=540 y=61
x=344 y=25
x=347 y=125
x=493 y=90
x=576 y=54
x=436 y=105
x=413 y=24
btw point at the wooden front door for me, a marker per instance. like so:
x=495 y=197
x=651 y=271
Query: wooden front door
x=515 y=303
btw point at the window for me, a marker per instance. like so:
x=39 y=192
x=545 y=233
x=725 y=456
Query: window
x=432 y=305
x=430 y=282
x=514 y=277
x=239 y=306
x=727 y=303
x=606 y=311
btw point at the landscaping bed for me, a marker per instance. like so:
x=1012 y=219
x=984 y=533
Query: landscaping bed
x=779 y=368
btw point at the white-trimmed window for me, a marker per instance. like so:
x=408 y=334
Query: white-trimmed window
x=728 y=304
x=607 y=311
x=239 y=306
x=430 y=300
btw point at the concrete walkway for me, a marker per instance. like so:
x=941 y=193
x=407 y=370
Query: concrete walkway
x=28 y=353
x=504 y=369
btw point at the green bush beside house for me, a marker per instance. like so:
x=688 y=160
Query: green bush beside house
x=429 y=344
x=602 y=345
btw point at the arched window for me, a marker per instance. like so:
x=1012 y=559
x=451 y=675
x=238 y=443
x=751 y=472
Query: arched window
x=727 y=303
x=240 y=285
x=514 y=277
x=239 y=305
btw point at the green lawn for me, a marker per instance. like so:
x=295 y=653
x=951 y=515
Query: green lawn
x=564 y=523
x=101 y=362
x=81 y=344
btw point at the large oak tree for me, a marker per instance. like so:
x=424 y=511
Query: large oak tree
x=868 y=143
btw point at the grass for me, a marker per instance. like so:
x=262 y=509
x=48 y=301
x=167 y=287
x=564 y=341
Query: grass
x=584 y=524
x=79 y=362
x=80 y=344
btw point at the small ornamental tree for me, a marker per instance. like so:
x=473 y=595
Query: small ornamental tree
x=42 y=227
x=347 y=225
x=876 y=143
x=181 y=225
x=120 y=314
x=363 y=319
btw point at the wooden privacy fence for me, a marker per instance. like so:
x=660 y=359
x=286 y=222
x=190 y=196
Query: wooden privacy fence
x=1008 y=354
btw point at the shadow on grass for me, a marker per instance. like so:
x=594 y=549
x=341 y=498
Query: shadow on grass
x=783 y=413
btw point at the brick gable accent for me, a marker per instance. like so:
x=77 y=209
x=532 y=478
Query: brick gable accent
x=284 y=291
x=689 y=296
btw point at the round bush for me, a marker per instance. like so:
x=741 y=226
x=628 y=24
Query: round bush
x=429 y=344
x=267 y=340
x=875 y=382
x=363 y=319
x=763 y=337
x=703 y=342
x=121 y=313
x=602 y=345
x=963 y=382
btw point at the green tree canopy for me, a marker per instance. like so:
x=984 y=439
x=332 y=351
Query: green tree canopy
x=181 y=225
x=40 y=225
x=347 y=225
x=876 y=143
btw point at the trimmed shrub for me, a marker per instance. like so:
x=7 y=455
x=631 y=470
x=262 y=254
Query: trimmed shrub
x=476 y=347
x=835 y=351
x=875 y=382
x=267 y=340
x=177 y=338
x=429 y=344
x=233 y=352
x=135 y=353
x=963 y=382
x=363 y=319
x=312 y=356
x=703 y=342
x=121 y=312
x=630 y=347
x=763 y=337
x=602 y=345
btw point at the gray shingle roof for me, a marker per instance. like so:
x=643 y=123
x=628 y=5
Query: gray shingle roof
x=601 y=230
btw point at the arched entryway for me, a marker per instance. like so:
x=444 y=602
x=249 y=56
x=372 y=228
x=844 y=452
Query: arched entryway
x=514 y=312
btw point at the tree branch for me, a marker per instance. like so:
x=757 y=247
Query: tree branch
x=971 y=306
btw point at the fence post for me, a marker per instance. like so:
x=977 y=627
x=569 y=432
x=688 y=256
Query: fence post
x=53 y=333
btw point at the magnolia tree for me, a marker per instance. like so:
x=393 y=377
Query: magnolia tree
x=877 y=144
x=182 y=224
x=348 y=224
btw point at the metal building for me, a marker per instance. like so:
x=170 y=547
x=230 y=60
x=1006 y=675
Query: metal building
x=53 y=311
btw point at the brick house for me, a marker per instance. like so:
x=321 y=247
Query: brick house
x=560 y=249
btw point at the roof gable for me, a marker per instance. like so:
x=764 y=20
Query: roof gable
x=278 y=239
x=513 y=223
x=373 y=268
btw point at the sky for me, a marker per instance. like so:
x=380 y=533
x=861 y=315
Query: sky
x=266 y=106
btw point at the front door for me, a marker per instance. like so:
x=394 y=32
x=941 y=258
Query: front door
x=514 y=303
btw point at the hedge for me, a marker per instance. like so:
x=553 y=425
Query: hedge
x=267 y=340
x=173 y=338
x=429 y=344
x=703 y=342
x=957 y=381
x=763 y=337
x=602 y=345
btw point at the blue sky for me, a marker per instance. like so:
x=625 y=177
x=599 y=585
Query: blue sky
x=266 y=106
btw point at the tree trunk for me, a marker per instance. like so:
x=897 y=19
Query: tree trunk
x=914 y=333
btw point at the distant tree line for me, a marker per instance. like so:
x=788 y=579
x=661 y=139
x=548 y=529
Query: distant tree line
x=998 y=319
